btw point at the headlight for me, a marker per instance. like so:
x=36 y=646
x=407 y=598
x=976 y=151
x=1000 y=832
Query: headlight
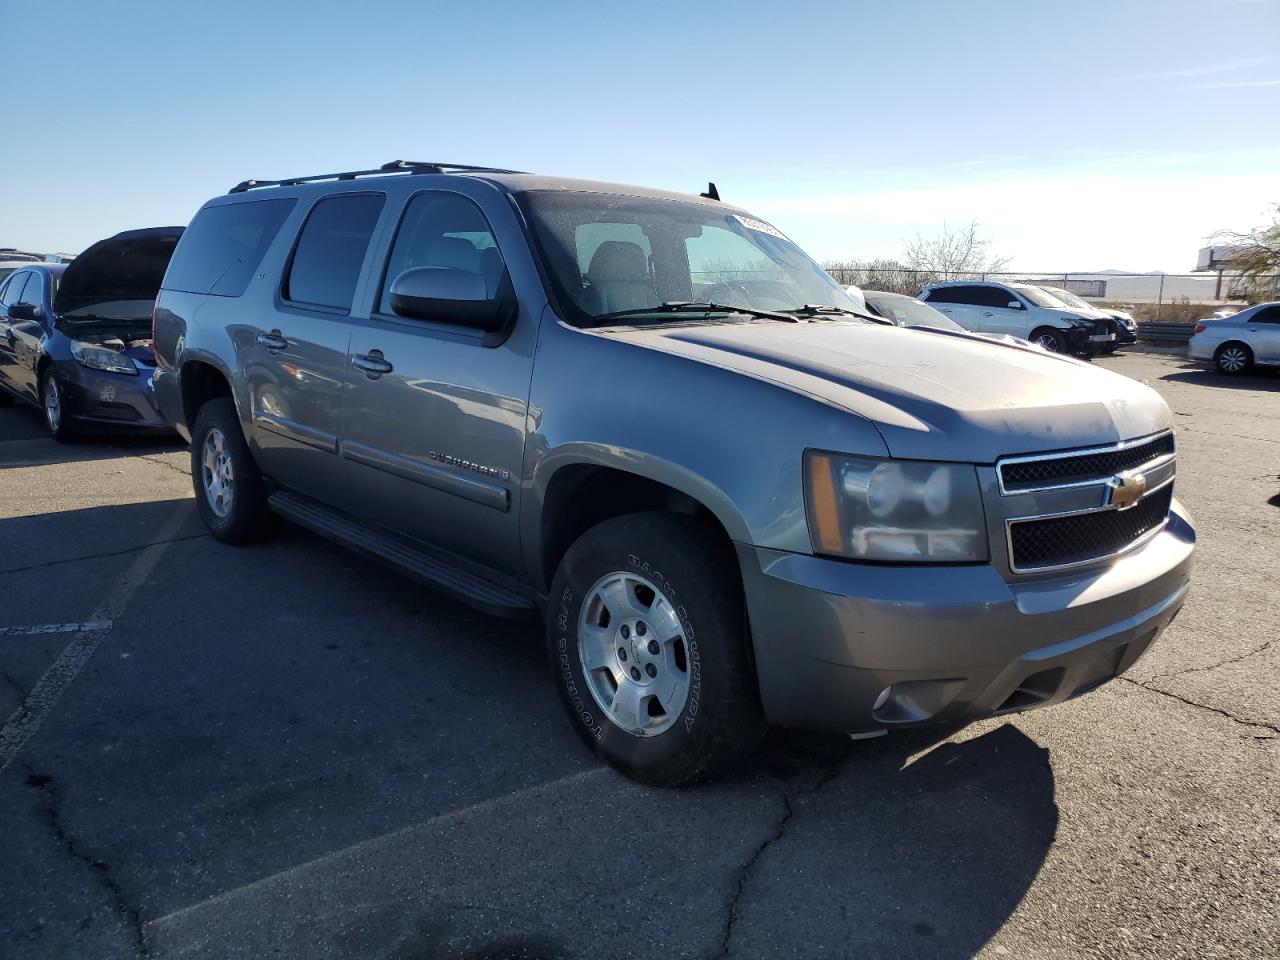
x=1078 y=321
x=100 y=358
x=907 y=511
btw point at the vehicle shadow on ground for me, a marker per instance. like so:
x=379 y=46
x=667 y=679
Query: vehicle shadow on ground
x=286 y=746
x=46 y=451
x=920 y=844
x=1256 y=380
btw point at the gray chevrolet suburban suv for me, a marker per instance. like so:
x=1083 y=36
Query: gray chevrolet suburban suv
x=733 y=498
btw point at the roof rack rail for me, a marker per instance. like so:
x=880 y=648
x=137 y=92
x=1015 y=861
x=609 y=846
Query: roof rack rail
x=395 y=166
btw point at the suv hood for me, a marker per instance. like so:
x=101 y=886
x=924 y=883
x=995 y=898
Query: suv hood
x=933 y=395
x=118 y=277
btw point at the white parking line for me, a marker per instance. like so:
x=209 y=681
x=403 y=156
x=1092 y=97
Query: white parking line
x=44 y=628
x=26 y=720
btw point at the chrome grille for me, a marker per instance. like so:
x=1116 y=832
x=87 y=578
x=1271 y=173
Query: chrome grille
x=1081 y=537
x=1021 y=474
x=1066 y=509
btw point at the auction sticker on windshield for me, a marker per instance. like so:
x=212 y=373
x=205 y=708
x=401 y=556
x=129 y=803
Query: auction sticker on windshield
x=760 y=226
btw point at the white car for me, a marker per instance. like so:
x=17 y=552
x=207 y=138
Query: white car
x=1125 y=327
x=1021 y=310
x=906 y=311
x=1241 y=341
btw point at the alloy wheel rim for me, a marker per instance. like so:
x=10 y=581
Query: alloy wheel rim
x=632 y=649
x=218 y=477
x=1232 y=360
x=52 y=405
x=1048 y=342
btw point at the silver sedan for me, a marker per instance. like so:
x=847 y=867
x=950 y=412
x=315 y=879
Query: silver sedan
x=1240 y=342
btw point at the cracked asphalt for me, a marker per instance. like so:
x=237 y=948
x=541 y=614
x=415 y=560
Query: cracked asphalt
x=287 y=751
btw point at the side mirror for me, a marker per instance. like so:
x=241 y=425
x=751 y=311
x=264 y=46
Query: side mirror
x=1015 y=304
x=25 y=311
x=449 y=295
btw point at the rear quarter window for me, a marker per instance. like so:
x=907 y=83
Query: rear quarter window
x=222 y=248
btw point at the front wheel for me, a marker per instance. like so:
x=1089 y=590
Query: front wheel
x=230 y=494
x=1050 y=339
x=53 y=401
x=1233 y=359
x=647 y=639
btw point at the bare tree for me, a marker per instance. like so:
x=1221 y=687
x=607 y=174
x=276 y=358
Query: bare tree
x=1258 y=257
x=954 y=253
x=890 y=276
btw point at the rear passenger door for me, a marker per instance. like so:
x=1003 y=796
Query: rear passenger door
x=435 y=418
x=960 y=303
x=295 y=361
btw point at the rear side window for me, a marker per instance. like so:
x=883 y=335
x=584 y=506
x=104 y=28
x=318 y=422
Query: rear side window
x=222 y=248
x=1267 y=315
x=953 y=295
x=331 y=249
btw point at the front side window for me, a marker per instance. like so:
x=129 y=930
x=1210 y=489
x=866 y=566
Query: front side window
x=331 y=249
x=608 y=254
x=442 y=230
x=1267 y=315
x=13 y=292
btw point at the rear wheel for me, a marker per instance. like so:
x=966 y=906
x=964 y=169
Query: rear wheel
x=1233 y=359
x=230 y=494
x=53 y=401
x=1050 y=339
x=647 y=640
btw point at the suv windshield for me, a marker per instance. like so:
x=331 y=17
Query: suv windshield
x=608 y=255
x=908 y=311
x=1036 y=296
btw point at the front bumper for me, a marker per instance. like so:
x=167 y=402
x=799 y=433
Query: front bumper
x=1089 y=339
x=949 y=643
x=111 y=400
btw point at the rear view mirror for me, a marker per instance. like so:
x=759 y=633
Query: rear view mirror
x=449 y=295
x=1015 y=305
x=25 y=311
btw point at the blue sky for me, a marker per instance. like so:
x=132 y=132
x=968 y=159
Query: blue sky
x=1081 y=135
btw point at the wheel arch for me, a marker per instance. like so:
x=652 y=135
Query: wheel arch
x=202 y=380
x=575 y=493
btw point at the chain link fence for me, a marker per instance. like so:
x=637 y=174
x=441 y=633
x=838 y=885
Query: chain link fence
x=1149 y=297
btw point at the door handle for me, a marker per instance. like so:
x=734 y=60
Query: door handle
x=987 y=313
x=373 y=364
x=272 y=340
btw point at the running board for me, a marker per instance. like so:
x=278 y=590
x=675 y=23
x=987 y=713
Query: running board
x=438 y=571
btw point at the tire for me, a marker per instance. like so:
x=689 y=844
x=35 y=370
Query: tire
x=673 y=571
x=230 y=494
x=1233 y=359
x=1050 y=339
x=53 y=404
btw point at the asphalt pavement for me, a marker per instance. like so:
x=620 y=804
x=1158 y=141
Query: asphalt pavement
x=288 y=751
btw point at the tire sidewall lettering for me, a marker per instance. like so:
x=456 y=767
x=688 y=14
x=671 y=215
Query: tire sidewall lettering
x=693 y=705
x=565 y=665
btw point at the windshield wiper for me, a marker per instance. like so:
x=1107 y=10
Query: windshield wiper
x=703 y=307
x=826 y=310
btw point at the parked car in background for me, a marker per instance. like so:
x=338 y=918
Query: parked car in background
x=904 y=311
x=1237 y=343
x=855 y=294
x=1123 y=326
x=10 y=263
x=530 y=392
x=75 y=339
x=1021 y=310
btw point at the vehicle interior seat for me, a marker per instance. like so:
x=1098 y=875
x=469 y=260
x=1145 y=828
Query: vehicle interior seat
x=618 y=278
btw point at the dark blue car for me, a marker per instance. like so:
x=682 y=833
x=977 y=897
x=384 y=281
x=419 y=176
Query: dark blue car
x=75 y=339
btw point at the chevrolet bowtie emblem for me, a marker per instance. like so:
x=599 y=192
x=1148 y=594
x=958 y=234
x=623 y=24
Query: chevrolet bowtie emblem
x=1126 y=489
